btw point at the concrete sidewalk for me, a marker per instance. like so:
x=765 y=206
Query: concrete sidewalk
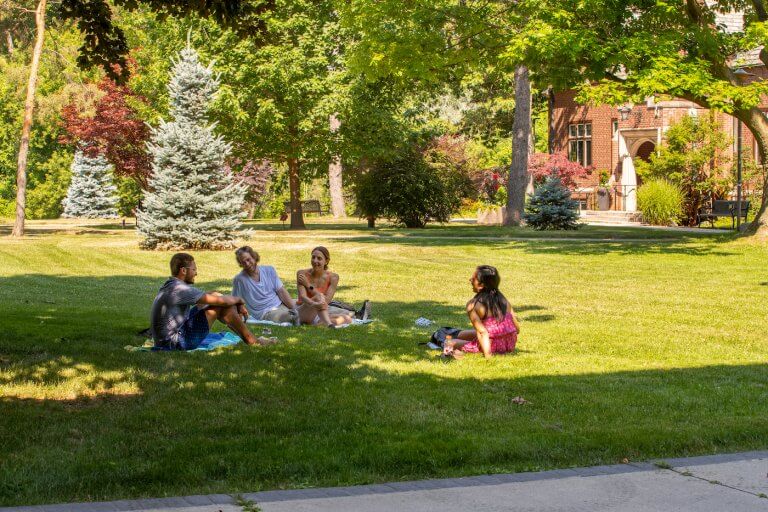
x=719 y=483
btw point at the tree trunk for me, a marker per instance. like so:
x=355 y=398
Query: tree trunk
x=29 y=105
x=550 y=120
x=9 y=42
x=335 y=183
x=758 y=125
x=521 y=139
x=294 y=184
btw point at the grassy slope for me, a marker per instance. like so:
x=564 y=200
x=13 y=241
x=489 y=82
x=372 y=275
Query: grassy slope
x=632 y=350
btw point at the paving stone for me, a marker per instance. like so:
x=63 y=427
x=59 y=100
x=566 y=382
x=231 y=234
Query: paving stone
x=402 y=486
x=221 y=499
x=198 y=500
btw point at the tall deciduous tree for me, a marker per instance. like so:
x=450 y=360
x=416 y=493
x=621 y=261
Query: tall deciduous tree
x=521 y=137
x=26 y=127
x=278 y=92
x=111 y=127
x=444 y=41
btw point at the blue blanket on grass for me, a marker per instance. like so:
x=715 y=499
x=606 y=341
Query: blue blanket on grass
x=213 y=341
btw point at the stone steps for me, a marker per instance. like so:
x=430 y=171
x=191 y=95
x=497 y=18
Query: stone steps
x=611 y=217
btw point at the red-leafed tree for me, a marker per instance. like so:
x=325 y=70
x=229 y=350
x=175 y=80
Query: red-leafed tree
x=254 y=174
x=111 y=128
x=543 y=165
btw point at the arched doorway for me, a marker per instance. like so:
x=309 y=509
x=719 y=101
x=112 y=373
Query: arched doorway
x=644 y=152
x=634 y=143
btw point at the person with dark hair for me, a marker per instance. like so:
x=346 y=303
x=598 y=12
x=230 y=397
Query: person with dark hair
x=495 y=324
x=182 y=315
x=263 y=292
x=316 y=287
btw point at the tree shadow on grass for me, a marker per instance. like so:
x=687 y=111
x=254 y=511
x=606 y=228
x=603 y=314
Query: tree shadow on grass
x=336 y=413
x=84 y=419
x=690 y=247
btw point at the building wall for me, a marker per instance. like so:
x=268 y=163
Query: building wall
x=651 y=115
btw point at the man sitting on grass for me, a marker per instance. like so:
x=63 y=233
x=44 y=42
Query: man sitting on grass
x=263 y=292
x=182 y=315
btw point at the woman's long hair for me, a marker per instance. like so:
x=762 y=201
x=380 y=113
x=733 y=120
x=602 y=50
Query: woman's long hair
x=494 y=301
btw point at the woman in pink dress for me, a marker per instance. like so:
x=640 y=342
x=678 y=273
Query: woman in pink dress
x=495 y=324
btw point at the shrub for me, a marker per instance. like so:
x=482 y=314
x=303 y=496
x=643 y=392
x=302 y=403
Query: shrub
x=661 y=202
x=686 y=158
x=500 y=198
x=407 y=190
x=544 y=165
x=448 y=156
x=551 y=207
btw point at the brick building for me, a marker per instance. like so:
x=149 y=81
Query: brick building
x=602 y=138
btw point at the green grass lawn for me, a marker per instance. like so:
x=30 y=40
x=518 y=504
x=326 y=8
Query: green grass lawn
x=629 y=349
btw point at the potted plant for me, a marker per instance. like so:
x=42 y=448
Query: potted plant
x=603 y=190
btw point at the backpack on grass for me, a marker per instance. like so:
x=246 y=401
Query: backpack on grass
x=437 y=340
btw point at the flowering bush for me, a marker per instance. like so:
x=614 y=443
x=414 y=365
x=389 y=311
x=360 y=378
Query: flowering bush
x=543 y=165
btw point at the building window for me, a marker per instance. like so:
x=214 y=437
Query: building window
x=615 y=125
x=580 y=143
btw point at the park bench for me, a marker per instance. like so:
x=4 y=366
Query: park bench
x=308 y=206
x=722 y=208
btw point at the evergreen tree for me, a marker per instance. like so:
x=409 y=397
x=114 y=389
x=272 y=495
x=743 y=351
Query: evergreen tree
x=551 y=207
x=91 y=193
x=194 y=202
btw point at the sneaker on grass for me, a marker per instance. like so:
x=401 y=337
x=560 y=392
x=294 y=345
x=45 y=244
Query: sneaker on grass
x=364 y=313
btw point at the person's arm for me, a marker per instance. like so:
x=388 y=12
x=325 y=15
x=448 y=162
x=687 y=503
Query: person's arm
x=285 y=298
x=331 y=291
x=514 y=317
x=238 y=290
x=217 y=299
x=302 y=283
x=476 y=312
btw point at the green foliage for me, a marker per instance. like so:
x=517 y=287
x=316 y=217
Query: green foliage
x=44 y=198
x=59 y=82
x=278 y=93
x=661 y=202
x=603 y=177
x=407 y=190
x=551 y=207
x=694 y=156
x=500 y=198
x=491 y=157
x=128 y=196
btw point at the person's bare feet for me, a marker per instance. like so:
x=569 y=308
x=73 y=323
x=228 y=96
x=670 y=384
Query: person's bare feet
x=450 y=350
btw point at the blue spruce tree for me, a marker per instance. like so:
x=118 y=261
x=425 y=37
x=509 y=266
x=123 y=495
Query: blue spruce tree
x=194 y=202
x=91 y=193
x=551 y=207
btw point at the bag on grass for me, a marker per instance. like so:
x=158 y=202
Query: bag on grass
x=342 y=305
x=437 y=340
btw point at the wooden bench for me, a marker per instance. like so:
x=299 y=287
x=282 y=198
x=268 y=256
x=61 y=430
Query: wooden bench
x=721 y=208
x=308 y=206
